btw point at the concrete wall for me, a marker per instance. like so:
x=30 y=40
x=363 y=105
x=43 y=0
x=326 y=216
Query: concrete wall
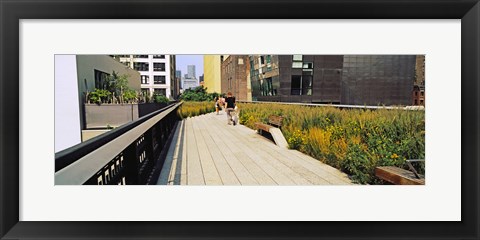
x=86 y=64
x=67 y=110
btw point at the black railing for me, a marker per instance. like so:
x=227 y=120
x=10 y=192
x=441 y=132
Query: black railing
x=132 y=154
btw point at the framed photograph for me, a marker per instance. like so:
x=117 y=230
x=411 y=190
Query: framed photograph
x=35 y=36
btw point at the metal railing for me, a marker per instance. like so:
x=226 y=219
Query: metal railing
x=132 y=154
x=419 y=108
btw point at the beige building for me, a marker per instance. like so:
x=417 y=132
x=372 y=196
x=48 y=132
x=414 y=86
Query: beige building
x=212 y=73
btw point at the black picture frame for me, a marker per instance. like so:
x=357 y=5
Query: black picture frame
x=11 y=11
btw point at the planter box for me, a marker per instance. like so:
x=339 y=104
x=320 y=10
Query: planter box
x=99 y=116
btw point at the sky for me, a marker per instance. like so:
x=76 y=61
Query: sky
x=183 y=60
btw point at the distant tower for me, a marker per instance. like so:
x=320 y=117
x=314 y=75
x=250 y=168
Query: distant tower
x=191 y=72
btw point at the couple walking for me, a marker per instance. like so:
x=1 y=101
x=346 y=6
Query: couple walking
x=229 y=107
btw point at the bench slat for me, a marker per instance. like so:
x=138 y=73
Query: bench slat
x=397 y=175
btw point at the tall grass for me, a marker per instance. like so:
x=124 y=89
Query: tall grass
x=352 y=140
x=192 y=109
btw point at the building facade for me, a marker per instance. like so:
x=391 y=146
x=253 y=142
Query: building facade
x=234 y=76
x=212 y=73
x=191 y=72
x=338 y=79
x=157 y=73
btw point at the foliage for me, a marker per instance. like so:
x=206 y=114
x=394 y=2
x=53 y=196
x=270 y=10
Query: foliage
x=192 y=109
x=99 y=96
x=158 y=98
x=352 y=140
x=114 y=89
x=198 y=94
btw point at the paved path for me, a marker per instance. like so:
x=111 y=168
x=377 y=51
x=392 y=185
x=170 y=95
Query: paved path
x=207 y=151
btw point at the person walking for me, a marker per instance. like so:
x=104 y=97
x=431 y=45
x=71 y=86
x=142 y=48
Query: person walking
x=217 y=102
x=229 y=106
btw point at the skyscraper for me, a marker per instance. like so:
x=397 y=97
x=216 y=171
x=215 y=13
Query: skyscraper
x=191 y=72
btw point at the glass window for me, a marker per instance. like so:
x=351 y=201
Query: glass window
x=296 y=85
x=240 y=61
x=144 y=79
x=307 y=81
x=158 y=79
x=159 y=56
x=308 y=65
x=140 y=56
x=160 y=91
x=297 y=57
x=141 y=66
x=159 y=67
x=101 y=79
x=296 y=65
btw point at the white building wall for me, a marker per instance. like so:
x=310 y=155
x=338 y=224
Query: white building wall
x=151 y=73
x=67 y=110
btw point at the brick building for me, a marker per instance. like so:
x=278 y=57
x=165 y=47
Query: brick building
x=234 y=76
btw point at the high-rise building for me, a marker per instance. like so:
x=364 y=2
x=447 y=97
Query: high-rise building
x=191 y=72
x=157 y=72
x=344 y=79
x=212 y=72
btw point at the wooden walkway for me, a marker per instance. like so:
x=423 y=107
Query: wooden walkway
x=207 y=151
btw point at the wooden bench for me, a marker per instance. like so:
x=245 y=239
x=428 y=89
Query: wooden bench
x=273 y=121
x=273 y=127
x=401 y=176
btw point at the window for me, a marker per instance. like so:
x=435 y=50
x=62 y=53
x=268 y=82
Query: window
x=308 y=65
x=141 y=66
x=159 y=67
x=160 y=91
x=297 y=65
x=422 y=93
x=269 y=59
x=144 y=79
x=262 y=60
x=296 y=86
x=297 y=58
x=101 y=79
x=159 y=56
x=240 y=61
x=158 y=79
x=268 y=88
x=140 y=56
x=301 y=85
x=307 y=85
x=146 y=92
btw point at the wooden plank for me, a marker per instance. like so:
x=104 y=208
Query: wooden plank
x=232 y=143
x=398 y=176
x=255 y=150
x=210 y=173
x=225 y=171
x=194 y=167
x=332 y=175
x=263 y=126
x=242 y=174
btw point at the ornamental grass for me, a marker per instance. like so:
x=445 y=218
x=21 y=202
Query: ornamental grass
x=352 y=140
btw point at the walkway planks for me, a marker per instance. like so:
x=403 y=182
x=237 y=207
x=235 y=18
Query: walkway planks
x=207 y=151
